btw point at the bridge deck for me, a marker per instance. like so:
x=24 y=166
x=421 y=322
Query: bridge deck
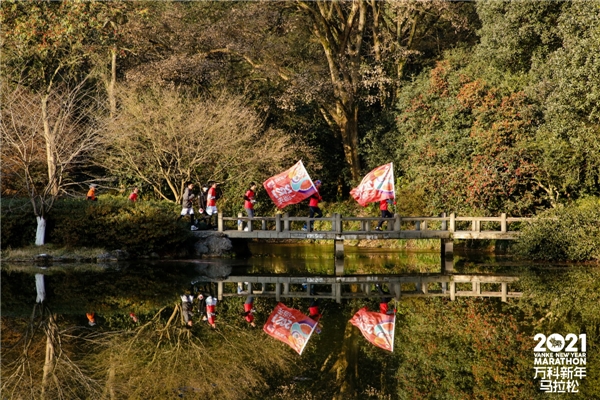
x=370 y=235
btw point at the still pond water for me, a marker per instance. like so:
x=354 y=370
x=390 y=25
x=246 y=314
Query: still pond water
x=557 y=299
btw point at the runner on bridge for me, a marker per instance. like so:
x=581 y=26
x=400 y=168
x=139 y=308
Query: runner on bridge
x=313 y=205
x=385 y=213
x=249 y=203
x=211 y=203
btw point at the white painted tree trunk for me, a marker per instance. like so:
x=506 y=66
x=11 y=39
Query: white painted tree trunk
x=40 y=288
x=40 y=234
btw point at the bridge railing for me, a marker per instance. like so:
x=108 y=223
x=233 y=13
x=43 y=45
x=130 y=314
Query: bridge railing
x=340 y=224
x=353 y=287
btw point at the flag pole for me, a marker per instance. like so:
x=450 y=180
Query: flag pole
x=311 y=332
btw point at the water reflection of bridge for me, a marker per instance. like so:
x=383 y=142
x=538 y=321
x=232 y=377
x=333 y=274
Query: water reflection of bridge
x=356 y=287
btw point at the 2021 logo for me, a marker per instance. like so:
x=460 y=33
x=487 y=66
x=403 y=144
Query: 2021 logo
x=556 y=342
x=560 y=362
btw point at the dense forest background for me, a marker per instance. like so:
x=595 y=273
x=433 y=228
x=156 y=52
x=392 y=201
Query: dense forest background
x=484 y=107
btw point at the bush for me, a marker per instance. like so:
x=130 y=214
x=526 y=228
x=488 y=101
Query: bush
x=570 y=232
x=111 y=223
x=18 y=223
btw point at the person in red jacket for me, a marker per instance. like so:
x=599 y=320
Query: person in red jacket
x=249 y=203
x=211 y=202
x=385 y=213
x=384 y=303
x=211 y=304
x=248 y=313
x=313 y=205
x=134 y=195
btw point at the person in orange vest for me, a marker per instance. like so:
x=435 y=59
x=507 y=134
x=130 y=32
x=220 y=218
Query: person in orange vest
x=91 y=194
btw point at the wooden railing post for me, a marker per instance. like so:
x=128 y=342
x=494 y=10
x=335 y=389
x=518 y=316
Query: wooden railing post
x=220 y=290
x=417 y=225
x=503 y=222
x=240 y=222
x=452 y=227
x=444 y=222
x=286 y=222
x=390 y=224
x=397 y=291
x=504 y=291
x=220 y=221
x=397 y=223
x=277 y=223
x=264 y=225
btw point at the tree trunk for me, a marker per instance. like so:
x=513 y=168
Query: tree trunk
x=112 y=100
x=50 y=148
x=340 y=33
x=346 y=366
x=40 y=233
x=50 y=355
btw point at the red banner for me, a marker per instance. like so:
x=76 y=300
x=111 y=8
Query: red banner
x=290 y=326
x=377 y=185
x=290 y=187
x=376 y=327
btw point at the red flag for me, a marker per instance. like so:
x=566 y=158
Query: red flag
x=377 y=185
x=290 y=187
x=376 y=327
x=290 y=326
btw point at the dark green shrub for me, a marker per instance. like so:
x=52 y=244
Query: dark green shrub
x=18 y=223
x=113 y=222
x=569 y=232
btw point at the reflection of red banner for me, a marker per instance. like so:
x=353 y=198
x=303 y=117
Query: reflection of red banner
x=377 y=185
x=376 y=327
x=290 y=187
x=290 y=326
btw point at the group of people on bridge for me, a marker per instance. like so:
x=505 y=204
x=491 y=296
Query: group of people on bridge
x=206 y=204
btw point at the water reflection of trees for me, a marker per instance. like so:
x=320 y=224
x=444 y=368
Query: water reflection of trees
x=43 y=361
x=159 y=358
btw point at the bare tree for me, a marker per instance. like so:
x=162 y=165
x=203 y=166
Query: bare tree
x=45 y=138
x=38 y=363
x=165 y=137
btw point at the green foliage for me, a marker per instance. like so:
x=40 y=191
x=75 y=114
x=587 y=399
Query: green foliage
x=461 y=349
x=570 y=232
x=18 y=223
x=110 y=222
x=462 y=136
x=513 y=35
